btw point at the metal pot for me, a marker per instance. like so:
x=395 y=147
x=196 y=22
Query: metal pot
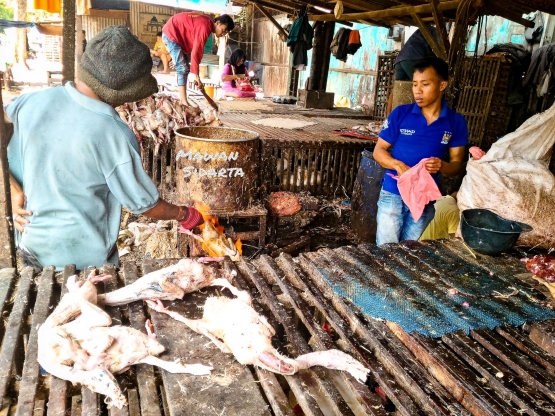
x=216 y=166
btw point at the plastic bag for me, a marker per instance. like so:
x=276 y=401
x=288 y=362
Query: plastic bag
x=513 y=180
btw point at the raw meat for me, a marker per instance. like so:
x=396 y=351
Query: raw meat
x=543 y=269
x=76 y=344
x=476 y=152
x=156 y=117
x=542 y=266
x=235 y=327
x=169 y=283
x=284 y=204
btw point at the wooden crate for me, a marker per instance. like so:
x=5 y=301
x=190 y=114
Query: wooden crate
x=483 y=99
x=497 y=123
x=384 y=84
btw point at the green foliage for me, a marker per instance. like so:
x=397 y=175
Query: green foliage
x=6 y=12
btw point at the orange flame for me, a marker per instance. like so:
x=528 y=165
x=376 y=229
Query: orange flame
x=204 y=210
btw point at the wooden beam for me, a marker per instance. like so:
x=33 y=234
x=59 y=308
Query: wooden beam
x=438 y=50
x=392 y=12
x=359 y=5
x=281 y=8
x=68 y=42
x=283 y=35
x=440 y=26
x=7 y=242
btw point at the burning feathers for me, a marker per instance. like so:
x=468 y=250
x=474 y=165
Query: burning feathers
x=213 y=240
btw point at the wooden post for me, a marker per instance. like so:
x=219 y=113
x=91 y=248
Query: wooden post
x=68 y=42
x=78 y=39
x=221 y=53
x=438 y=50
x=440 y=26
x=7 y=239
x=321 y=53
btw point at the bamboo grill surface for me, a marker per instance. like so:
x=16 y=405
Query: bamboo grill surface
x=488 y=372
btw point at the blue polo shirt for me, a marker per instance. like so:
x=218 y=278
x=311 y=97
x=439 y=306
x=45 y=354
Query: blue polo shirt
x=407 y=130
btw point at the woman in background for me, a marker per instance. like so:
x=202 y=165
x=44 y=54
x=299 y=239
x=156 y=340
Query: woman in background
x=234 y=71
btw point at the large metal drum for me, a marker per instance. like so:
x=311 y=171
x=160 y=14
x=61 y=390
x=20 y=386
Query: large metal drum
x=217 y=167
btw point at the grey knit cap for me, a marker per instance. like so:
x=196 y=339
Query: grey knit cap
x=116 y=66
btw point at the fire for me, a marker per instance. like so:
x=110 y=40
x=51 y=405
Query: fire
x=204 y=210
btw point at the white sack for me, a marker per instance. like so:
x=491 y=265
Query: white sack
x=513 y=180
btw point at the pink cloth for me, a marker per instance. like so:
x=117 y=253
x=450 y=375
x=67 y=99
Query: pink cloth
x=418 y=188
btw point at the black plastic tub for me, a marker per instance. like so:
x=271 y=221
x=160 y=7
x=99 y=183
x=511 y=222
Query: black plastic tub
x=488 y=233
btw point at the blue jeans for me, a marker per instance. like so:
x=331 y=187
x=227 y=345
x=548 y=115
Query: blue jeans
x=395 y=223
x=181 y=60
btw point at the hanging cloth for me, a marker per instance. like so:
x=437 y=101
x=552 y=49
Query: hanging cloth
x=300 y=40
x=339 y=44
x=83 y=7
x=354 y=42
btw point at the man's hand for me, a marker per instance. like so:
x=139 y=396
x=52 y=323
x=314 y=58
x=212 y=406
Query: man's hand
x=401 y=168
x=18 y=207
x=198 y=82
x=433 y=165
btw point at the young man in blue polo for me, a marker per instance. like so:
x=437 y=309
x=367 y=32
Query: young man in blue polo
x=426 y=129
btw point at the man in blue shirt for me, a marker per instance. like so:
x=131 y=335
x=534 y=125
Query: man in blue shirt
x=426 y=129
x=78 y=163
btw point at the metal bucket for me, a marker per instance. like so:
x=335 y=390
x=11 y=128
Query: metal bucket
x=216 y=166
x=366 y=193
x=488 y=233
